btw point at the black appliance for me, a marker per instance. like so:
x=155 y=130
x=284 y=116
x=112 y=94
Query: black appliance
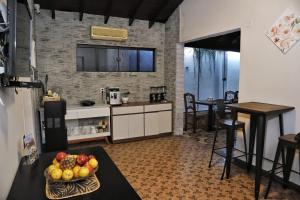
x=55 y=128
x=158 y=94
x=87 y=103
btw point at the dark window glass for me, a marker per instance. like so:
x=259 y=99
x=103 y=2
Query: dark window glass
x=106 y=59
x=146 y=60
x=127 y=60
x=86 y=59
x=96 y=58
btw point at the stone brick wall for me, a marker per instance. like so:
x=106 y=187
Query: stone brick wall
x=56 y=42
x=56 y=56
x=174 y=74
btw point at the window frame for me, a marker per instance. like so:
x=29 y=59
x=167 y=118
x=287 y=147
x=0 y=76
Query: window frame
x=138 y=49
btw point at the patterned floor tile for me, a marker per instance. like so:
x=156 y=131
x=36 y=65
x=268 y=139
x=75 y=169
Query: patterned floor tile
x=176 y=167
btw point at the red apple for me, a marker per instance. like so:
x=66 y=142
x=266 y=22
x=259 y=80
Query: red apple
x=90 y=168
x=82 y=159
x=60 y=156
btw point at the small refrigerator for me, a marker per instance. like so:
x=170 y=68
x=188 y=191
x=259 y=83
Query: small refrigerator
x=53 y=128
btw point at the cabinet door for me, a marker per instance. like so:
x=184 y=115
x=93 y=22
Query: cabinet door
x=120 y=127
x=151 y=124
x=136 y=125
x=165 y=122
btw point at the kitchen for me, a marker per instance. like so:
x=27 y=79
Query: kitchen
x=107 y=108
x=139 y=58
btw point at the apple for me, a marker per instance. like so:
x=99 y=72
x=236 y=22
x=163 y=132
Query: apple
x=93 y=162
x=50 y=168
x=76 y=170
x=83 y=172
x=54 y=161
x=60 y=156
x=90 y=168
x=82 y=159
x=56 y=174
x=57 y=165
x=67 y=174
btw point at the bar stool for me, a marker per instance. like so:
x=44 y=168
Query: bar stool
x=288 y=142
x=223 y=123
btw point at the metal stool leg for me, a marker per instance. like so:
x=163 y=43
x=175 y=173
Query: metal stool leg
x=213 y=147
x=185 y=122
x=245 y=144
x=290 y=154
x=279 y=148
x=224 y=168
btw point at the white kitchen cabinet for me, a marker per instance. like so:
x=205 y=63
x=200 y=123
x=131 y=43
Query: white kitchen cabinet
x=151 y=123
x=165 y=121
x=120 y=127
x=136 y=121
x=136 y=125
x=158 y=122
x=128 y=126
x=79 y=119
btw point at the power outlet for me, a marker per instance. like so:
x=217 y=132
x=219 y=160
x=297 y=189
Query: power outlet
x=102 y=90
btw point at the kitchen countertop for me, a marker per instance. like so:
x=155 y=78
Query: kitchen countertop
x=78 y=106
x=140 y=103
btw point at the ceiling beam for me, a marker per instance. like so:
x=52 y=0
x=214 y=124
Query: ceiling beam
x=81 y=9
x=80 y=16
x=53 y=13
x=154 y=17
x=133 y=14
x=151 y=23
x=106 y=18
x=107 y=11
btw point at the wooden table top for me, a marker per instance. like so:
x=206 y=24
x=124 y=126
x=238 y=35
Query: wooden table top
x=259 y=108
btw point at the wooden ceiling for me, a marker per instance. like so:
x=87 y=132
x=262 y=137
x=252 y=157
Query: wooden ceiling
x=227 y=42
x=150 y=10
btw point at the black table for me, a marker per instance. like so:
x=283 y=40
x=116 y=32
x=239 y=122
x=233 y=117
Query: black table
x=259 y=113
x=210 y=104
x=29 y=182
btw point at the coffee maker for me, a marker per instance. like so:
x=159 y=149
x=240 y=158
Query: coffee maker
x=158 y=94
x=113 y=96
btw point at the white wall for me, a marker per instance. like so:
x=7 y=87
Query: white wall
x=15 y=119
x=266 y=74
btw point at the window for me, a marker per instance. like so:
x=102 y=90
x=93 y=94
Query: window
x=97 y=58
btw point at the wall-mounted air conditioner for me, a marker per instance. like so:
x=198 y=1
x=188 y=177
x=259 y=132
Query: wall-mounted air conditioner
x=104 y=33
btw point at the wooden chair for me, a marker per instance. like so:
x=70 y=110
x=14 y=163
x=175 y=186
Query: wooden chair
x=231 y=96
x=191 y=111
x=224 y=121
x=291 y=144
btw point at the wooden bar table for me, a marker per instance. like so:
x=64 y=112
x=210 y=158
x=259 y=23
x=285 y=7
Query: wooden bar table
x=259 y=113
x=210 y=104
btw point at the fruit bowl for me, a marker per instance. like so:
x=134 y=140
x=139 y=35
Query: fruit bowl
x=71 y=168
x=49 y=178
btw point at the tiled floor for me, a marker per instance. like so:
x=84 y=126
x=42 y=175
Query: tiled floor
x=176 y=167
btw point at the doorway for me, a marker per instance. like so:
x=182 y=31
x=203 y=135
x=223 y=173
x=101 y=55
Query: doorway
x=212 y=67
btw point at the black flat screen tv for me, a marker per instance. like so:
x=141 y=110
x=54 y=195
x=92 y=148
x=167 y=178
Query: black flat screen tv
x=16 y=40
